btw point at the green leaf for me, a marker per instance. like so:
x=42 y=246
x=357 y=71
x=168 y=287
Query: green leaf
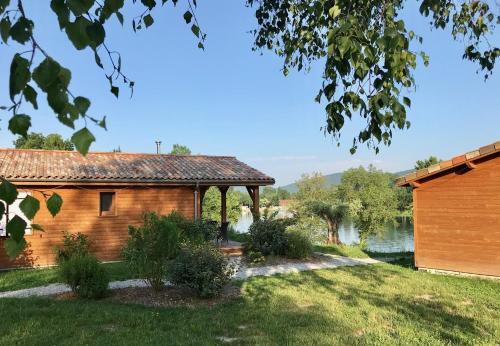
x=148 y=20
x=5 y=29
x=62 y=11
x=54 y=204
x=2 y=209
x=14 y=248
x=334 y=11
x=19 y=124
x=196 y=30
x=77 y=32
x=57 y=98
x=19 y=75
x=29 y=206
x=96 y=33
x=21 y=30
x=37 y=227
x=115 y=90
x=149 y=3
x=407 y=101
x=82 y=140
x=201 y=46
x=82 y=104
x=79 y=7
x=3 y=5
x=46 y=73
x=8 y=192
x=187 y=16
x=16 y=227
x=30 y=95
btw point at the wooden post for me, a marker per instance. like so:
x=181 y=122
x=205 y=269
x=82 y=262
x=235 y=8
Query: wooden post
x=253 y=191
x=203 y=190
x=223 y=207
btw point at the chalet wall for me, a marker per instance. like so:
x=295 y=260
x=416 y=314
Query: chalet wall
x=457 y=220
x=80 y=213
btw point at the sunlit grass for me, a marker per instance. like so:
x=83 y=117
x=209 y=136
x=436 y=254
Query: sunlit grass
x=381 y=304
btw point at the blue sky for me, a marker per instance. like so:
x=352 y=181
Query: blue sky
x=228 y=100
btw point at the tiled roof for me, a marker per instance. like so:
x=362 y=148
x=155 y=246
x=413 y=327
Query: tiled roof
x=70 y=166
x=457 y=161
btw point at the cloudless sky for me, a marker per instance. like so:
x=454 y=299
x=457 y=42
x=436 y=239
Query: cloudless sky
x=229 y=100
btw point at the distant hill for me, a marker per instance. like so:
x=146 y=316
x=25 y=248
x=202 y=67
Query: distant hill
x=334 y=179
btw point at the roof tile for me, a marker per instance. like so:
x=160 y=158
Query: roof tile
x=56 y=165
x=472 y=154
x=458 y=159
x=487 y=149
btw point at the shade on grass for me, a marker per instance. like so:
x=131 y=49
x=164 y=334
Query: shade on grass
x=26 y=278
x=379 y=304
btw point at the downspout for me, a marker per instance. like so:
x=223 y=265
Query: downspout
x=197 y=187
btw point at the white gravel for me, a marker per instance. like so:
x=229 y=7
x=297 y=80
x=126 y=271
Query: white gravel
x=328 y=262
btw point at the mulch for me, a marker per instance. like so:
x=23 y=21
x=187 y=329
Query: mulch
x=168 y=297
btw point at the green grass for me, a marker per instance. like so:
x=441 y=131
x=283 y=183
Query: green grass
x=26 y=278
x=356 y=251
x=382 y=304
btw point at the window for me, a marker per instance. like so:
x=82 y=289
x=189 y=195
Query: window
x=11 y=211
x=108 y=204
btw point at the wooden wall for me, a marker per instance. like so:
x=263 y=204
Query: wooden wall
x=457 y=220
x=80 y=213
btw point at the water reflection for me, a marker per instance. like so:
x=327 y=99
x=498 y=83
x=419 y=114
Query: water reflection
x=394 y=238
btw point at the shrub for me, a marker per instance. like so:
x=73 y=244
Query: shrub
x=194 y=231
x=151 y=247
x=268 y=237
x=84 y=274
x=201 y=231
x=202 y=267
x=299 y=245
x=74 y=244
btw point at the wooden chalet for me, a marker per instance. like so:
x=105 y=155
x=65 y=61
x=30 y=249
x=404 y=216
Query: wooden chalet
x=103 y=193
x=456 y=211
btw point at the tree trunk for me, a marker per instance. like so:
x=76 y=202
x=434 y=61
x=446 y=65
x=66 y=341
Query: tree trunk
x=333 y=235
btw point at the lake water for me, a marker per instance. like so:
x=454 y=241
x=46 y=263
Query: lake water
x=394 y=238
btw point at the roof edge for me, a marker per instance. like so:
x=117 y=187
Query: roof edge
x=149 y=182
x=448 y=165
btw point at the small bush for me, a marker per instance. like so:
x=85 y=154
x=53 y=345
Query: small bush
x=202 y=267
x=268 y=237
x=151 y=247
x=299 y=245
x=74 y=244
x=193 y=231
x=255 y=257
x=85 y=275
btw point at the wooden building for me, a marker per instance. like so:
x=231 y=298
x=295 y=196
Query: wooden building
x=103 y=193
x=456 y=209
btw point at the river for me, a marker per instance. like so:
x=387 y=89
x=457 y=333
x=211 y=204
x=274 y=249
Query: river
x=394 y=238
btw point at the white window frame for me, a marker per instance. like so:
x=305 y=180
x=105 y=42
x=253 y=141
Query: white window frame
x=13 y=209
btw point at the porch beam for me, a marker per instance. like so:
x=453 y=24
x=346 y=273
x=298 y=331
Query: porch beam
x=253 y=191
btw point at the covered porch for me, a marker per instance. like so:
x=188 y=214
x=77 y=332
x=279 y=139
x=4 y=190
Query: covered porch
x=199 y=194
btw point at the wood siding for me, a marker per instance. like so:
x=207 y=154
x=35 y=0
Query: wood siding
x=457 y=220
x=80 y=213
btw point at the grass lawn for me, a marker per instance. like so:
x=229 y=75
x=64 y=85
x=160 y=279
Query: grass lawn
x=26 y=278
x=356 y=251
x=368 y=305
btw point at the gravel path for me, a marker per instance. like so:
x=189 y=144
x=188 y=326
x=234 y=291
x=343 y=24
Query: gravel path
x=326 y=262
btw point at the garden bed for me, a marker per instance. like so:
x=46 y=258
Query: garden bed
x=171 y=296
